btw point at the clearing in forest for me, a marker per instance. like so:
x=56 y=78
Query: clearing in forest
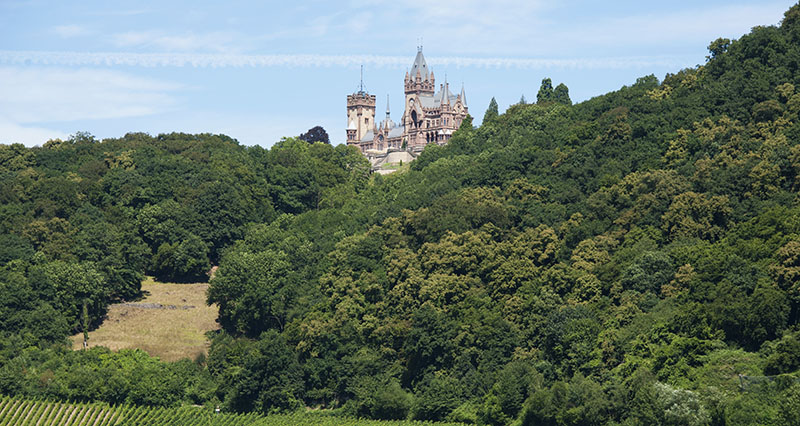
x=170 y=322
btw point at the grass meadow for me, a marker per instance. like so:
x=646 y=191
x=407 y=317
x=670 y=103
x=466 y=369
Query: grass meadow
x=171 y=332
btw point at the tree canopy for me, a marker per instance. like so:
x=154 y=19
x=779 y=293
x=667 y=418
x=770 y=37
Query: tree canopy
x=630 y=259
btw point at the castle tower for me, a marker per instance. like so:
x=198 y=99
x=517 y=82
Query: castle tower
x=419 y=83
x=360 y=113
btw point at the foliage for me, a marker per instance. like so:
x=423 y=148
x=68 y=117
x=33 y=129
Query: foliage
x=491 y=112
x=315 y=134
x=631 y=259
x=546 y=92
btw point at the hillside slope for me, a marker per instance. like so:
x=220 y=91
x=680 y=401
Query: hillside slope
x=632 y=259
x=625 y=259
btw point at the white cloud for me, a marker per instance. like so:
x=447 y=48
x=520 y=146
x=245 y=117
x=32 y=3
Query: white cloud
x=26 y=135
x=35 y=95
x=200 y=60
x=71 y=31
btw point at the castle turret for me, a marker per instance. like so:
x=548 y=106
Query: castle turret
x=445 y=95
x=360 y=113
x=352 y=132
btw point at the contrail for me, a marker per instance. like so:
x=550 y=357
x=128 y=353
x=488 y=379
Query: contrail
x=200 y=60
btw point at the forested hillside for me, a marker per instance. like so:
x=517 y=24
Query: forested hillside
x=632 y=259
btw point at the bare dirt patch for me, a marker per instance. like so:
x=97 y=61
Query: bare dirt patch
x=170 y=322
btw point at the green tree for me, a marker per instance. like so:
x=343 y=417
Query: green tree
x=67 y=284
x=381 y=399
x=491 y=112
x=184 y=261
x=315 y=134
x=718 y=47
x=261 y=375
x=561 y=94
x=545 y=93
x=254 y=291
x=649 y=272
x=783 y=355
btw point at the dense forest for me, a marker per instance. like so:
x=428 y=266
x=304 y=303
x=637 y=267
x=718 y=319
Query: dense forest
x=631 y=259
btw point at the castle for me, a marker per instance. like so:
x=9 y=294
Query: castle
x=429 y=118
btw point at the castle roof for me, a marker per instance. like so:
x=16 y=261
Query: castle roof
x=435 y=101
x=368 y=136
x=420 y=65
x=396 y=132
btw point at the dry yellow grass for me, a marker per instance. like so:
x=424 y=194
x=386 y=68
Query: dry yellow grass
x=170 y=334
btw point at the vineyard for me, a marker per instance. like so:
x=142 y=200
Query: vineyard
x=15 y=412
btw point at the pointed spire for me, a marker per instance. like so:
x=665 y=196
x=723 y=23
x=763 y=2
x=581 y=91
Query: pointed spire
x=463 y=95
x=420 y=67
x=387 y=124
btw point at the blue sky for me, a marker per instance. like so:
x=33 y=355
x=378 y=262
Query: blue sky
x=258 y=71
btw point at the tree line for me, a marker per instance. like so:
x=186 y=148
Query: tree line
x=618 y=261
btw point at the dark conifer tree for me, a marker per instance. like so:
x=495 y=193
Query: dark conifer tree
x=491 y=112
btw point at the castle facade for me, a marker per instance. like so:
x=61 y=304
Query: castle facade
x=429 y=117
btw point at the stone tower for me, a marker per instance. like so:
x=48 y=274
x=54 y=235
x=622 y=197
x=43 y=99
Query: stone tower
x=360 y=113
x=419 y=82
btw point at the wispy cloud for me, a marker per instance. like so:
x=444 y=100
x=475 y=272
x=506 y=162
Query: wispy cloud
x=200 y=60
x=11 y=132
x=36 y=95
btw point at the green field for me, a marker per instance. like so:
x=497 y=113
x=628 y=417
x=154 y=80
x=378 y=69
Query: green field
x=19 y=412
